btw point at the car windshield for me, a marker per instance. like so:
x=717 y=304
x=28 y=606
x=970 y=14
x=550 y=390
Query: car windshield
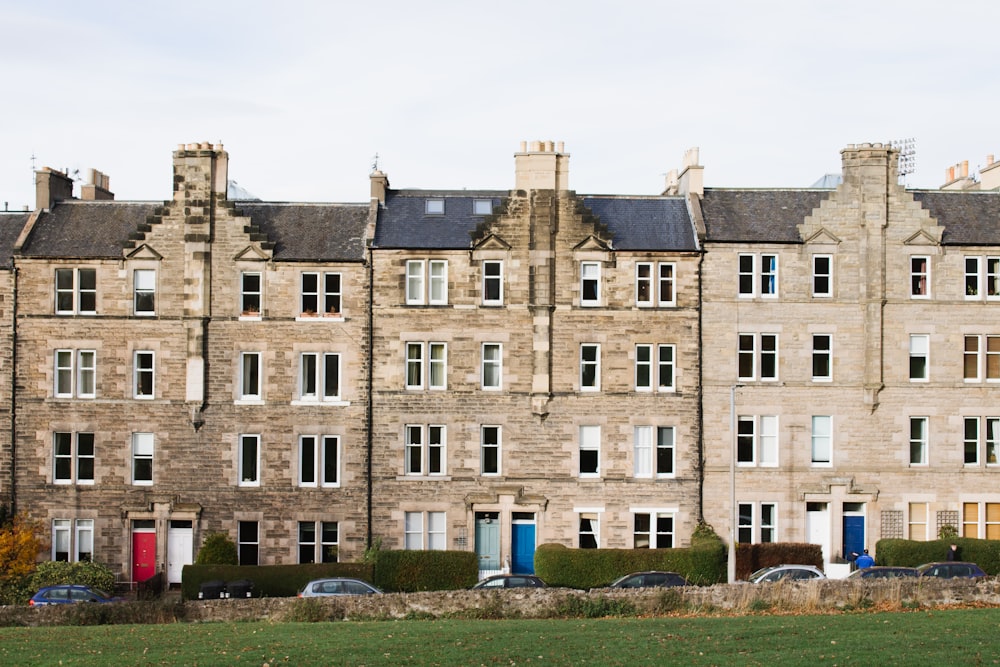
x=761 y=572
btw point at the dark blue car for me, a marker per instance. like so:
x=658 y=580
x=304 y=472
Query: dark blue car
x=68 y=594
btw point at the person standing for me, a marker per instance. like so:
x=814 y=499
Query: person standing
x=864 y=561
x=953 y=552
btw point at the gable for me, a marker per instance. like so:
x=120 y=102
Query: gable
x=144 y=251
x=253 y=253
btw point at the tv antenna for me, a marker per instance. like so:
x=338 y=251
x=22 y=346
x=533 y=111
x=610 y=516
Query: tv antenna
x=907 y=157
x=375 y=163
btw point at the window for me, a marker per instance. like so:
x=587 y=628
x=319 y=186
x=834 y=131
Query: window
x=918 y=441
x=436 y=366
x=756 y=523
x=822 y=275
x=664 y=367
x=757 y=440
x=490 y=450
x=919 y=351
x=322 y=551
x=590 y=284
x=982 y=434
x=976 y=280
x=590 y=451
x=590 y=367
x=142 y=459
x=653 y=530
x=79 y=382
x=920 y=277
x=650 y=462
x=76 y=291
x=144 y=283
x=248 y=542
x=492 y=283
x=320 y=376
x=918 y=522
x=431 y=288
x=981 y=520
x=434 y=206
x=589 y=533
x=73 y=458
x=757 y=353
x=320 y=293
x=143 y=374
x=822 y=440
x=250 y=376
x=982 y=358
x=424 y=449
x=250 y=293
x=822 y=358
x=418 y=532
x=648 y=292
x=319 y=460
x=492 y=365
x=249 y=460
x=758 y=275
x=73 y=540
x=482 y=206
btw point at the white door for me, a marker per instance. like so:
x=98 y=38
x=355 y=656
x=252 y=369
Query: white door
x=180 y=549
x=818 y=526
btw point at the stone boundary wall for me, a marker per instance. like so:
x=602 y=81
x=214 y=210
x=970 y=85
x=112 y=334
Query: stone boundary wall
x=781 y=597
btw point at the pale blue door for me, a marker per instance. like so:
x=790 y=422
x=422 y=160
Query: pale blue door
x=488 y=543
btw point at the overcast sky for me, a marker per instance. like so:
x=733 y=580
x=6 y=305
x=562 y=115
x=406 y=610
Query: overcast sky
x=304 y=94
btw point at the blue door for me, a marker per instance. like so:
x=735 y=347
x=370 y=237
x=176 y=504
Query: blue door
x=854 y=535
x=522 y=548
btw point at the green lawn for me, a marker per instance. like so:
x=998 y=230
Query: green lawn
x=952 y=637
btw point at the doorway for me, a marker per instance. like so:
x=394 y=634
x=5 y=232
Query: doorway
x=143 y=549
x=522 y=543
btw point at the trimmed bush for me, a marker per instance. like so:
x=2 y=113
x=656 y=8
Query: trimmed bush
x=752 y=557
x=411 y=571
x=911 y=553
x=269 y=580
x=217 y=549
x=94 y=575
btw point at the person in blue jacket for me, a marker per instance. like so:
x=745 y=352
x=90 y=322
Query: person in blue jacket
x=864 y=560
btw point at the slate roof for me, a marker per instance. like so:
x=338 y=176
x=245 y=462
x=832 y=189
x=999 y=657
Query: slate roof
x=299 y=232
x=758 y=216
x=645 y=223
x=404 y=223
x=11 y=225
x=969 y=218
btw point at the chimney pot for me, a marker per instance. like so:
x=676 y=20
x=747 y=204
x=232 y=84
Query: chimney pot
x=524 y=147
x=965 y=168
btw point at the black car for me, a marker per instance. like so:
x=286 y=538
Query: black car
x=951 y=570
x=884 y=572
x=650 y=580
x=511 y=581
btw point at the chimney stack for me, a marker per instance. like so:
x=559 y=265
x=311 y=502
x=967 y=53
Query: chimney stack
x=201 y=170
x=379 y=185
x=692 y=176
x=97 y=187
x=51 y=186
x=544 y=165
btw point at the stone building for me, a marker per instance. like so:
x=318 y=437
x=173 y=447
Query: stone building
x=492 y=370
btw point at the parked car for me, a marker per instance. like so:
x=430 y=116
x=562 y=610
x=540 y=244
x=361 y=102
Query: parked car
x=649 y=579
x=884 y=572
x=951 y=570
x=511 y=581
x=337 y=586
x=68 y=594
x=789 y=572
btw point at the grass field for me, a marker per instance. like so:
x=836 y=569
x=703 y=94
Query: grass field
x=938 y=637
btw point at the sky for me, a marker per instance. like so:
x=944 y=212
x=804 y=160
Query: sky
x=307 y=96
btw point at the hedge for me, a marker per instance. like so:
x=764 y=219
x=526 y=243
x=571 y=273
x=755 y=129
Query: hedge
x=704 y=562
x=269 y=580
x=911 y=553
x=410 y=571
x=752 y=557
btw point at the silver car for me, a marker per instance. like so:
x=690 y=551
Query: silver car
x=786 y=572
x=337 y=586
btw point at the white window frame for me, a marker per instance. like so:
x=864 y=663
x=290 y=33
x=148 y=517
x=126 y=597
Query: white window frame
x=144 y=289
x=983 y=356
x=590 y=443
x=425 y=531
x=251 y=299
x=143 y=366
x=75 y=535
x=757 y=355
x=429 y=288
x=246 y=545
x=588 y=524
x=919 y=441
x=920 y=276
x=653 y=536
x=590 y=280
x=482 y=207
x=982 y=441
x=425 y=449
x=644 y=367
x=920 y=352
x=492 y=278
x=666 y=284
x=78 y=294
x=248 y=392
x=821 y=441
x=74 y=457
x=757 y=275
x=415 y=282
x=320 y=543
x=644 y=284
x=647 y=454
x=822 y=353
x=666 y=368
x=323 y=297
x=492 y=366
x=315 y=383
x=757 y=435
x=248 y=459
x=315 y=452
x=917 y=529
x=426 y=365
x=485 y=449
x=434 y=206
x=75 y=373
x=143 y=451
x=757 y=522
x=590 y=364
x=822 y=279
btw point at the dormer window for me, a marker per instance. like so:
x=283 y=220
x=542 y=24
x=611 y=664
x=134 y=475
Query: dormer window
x=482 y=206
x=434 y=206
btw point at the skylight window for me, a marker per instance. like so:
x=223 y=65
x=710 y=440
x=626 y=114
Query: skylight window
x=482 y=206
x=434 y=207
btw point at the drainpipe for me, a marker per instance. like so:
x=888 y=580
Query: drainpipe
x=13 y=397
x=368 y=402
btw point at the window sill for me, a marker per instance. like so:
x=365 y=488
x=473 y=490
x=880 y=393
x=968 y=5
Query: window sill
x=250 y=318
x=330 y=403
x=248 y=401
x=320 y=317
x=425 y=478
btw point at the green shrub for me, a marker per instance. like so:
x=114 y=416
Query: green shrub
x=269 y=580
x=217 y=549
x=94 y=575
x=409 y=571
x=910 y=553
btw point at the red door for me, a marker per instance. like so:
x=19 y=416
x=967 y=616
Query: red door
x=143 y=555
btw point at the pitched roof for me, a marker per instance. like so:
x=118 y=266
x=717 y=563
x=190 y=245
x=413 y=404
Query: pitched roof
x=969 y=218
x=645 y=223
x=11 y=225
x=86 y=229
x=758 y=216
x=311 y=232
x=403 y=221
